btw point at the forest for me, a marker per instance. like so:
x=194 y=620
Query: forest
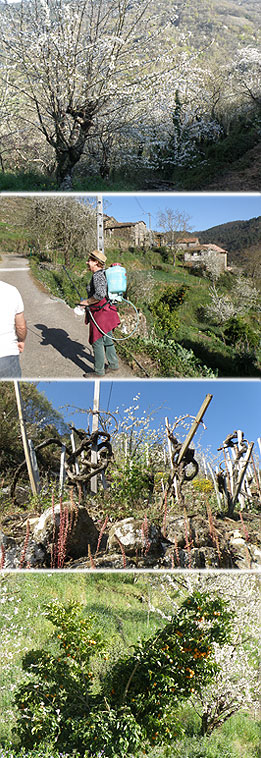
x=77 y=113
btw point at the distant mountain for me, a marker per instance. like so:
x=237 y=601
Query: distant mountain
x=239 y=238
x=229 y=23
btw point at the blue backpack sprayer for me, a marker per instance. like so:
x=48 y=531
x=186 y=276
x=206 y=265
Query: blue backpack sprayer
x=117 y=286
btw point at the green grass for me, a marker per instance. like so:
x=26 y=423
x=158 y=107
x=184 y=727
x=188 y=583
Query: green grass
x=239 y=737
x=121 y=602
x=25 y=182
x=116 y=600
x=21 y=181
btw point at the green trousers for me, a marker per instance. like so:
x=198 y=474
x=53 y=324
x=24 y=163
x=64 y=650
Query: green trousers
x=104 y=347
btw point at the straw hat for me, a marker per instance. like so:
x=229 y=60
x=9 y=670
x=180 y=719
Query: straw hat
x=98 y=256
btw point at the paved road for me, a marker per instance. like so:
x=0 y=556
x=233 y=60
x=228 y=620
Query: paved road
x=57 y=340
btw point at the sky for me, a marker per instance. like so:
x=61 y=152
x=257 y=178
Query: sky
x=234 y=405
x=205 y=210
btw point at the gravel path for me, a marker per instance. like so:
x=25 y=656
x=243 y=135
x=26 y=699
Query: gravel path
x=57 y=340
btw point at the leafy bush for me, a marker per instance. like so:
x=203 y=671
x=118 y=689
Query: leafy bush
x=52 y=704
x=138 y=696
x=240 y=334
x=166 y=669
x=131 y=484
x=168 y=356
x=112 y=733
x=164 y=310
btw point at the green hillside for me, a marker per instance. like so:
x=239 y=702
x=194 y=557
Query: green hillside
x=229 y=22
x=242 y=240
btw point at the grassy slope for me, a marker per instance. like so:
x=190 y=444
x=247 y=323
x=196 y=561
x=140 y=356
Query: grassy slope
x=122 y=606
x=116 y=600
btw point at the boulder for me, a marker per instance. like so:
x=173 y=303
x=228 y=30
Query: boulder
x=135 y=537
x=70 y=529
x=197 y=558
x=6 y=542
x=176 y=531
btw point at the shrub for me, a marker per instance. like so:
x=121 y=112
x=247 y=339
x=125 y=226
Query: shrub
x=240 y=334
x=164 y=310
x=112 y=733
x=131 y=483
x=59 y=691
x=165 y=670
x=203 y=485
x=137 y=697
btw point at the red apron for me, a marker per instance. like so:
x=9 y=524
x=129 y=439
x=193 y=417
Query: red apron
x=106 y=317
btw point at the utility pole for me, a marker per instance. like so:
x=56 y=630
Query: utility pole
x=150 y=234
x=100 y=235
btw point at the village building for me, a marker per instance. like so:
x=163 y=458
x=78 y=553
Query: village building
x=189 y=243
x=136 y=234
x=202 y=254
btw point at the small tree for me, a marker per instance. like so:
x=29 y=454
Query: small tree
x=139 y=695
x=174 y=223
x=236 y=682
x=62 y=224
x=74 y=65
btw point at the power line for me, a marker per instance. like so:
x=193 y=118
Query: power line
x=146 y=213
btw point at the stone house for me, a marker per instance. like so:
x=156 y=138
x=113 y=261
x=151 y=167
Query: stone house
x=205 y=253
x=189 y=243
x=129 y=233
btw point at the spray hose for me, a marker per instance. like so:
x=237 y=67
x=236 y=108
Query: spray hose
x=115 y=339
x=118 y=339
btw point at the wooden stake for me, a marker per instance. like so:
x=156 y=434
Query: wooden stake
x=34 y=465
x=62 y=470
x=73 y=450
x=24 y=438
x=195 y=426
x=169 y=445
x=241 y=477
x=215 y=486
x=95 y=425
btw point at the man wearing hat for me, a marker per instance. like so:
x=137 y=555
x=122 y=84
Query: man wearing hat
x=104 y=313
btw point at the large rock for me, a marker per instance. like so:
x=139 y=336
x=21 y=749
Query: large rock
x=13 y=556
x=69 y=530
x=135 y=537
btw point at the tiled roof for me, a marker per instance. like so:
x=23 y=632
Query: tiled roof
x=213 y=247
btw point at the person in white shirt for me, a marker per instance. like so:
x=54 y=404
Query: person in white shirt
x=13 y=331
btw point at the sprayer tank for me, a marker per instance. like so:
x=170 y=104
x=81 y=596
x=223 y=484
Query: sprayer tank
x=116 y=279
